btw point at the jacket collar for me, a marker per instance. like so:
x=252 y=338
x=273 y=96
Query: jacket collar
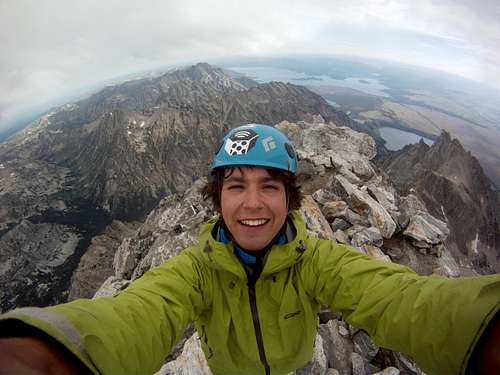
x=221 y=256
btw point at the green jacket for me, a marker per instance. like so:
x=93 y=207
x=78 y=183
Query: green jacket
x=246 y=326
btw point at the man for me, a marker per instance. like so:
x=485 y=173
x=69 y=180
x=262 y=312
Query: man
x=253 y=286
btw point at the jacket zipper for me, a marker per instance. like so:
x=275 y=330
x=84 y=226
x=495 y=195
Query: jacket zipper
x=256 y=323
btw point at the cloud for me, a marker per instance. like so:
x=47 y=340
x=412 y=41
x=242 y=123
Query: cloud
x=51 y=48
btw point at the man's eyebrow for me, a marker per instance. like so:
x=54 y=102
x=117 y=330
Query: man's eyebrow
x=233 y=179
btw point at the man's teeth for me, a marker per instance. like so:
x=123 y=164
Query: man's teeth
x=254 y=223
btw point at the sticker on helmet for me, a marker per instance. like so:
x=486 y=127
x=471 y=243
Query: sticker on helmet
x=269 y=144
x=241 y=142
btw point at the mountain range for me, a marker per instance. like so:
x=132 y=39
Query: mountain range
x=97 y=192
x=114 y=155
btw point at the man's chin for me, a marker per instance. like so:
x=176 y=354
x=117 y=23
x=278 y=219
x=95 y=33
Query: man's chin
x=252 y=245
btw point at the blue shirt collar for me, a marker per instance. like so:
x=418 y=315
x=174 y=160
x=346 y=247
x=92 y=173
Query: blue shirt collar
x=240 y=253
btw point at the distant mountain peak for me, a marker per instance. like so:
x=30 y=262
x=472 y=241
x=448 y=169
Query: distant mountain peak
x=453 y=185
x=203 y=73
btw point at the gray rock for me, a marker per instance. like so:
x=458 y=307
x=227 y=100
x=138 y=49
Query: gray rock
x=315 y=221
x=338 y=348
x=370 y=236
x=129 y=253
x=342 y=187
x=111 y=287
x=409 y=206
x=356 y=219
x=395 y=253
x=375 y=253
x=447 y=266
x=358 y=364
x=321 y=196
x=318 y=365
x=377 y=215
x=351 y=231
x=191 y=361
x=341 y=237
x=364 y=345
x=388 y=371
x=330 y=146
x=339 y=223
x=383 y=192
x=426 y=230
x=334 y=209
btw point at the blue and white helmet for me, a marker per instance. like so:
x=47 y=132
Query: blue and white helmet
x=256 y=145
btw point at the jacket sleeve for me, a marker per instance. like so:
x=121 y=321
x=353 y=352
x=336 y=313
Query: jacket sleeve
x=436 y=320
x=133 y=332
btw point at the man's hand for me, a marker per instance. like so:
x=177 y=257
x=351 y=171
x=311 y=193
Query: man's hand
x=487 y=356
x=34 y=356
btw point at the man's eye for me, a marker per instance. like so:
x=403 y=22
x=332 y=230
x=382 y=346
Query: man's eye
x=234 y=187
x=271 y=187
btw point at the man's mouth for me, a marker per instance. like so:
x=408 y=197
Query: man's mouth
x=253 y=222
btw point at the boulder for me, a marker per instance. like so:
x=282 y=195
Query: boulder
x=341 y=237
x=318 y=365
x=339 y=223
x=364 y=345
x=375 y=253
x=377 y=215
x=370 y=236
x=388 y=371
x=341 y=187
x=315 y=221
x=409 y=206
x=357 y=219
x=321 y=196
x=338 y=348
x=191 y=361
x=111 y=287
x=334 y=209
x=426 y=230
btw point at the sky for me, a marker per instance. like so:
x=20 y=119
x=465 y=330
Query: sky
x=54 y=47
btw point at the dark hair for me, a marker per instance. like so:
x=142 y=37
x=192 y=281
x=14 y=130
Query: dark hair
x=213 y=187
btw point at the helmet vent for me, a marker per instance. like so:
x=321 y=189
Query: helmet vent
x=290 y=150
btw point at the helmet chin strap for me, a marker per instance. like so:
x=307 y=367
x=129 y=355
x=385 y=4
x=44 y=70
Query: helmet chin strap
x=287 y=200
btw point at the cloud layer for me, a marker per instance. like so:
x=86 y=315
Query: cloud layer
x=53 y=47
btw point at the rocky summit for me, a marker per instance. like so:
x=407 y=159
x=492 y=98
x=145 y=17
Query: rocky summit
x=347 y=199
x=95 y=194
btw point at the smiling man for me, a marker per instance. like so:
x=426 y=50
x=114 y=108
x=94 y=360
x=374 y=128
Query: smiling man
x=254 y=206
x=253 y=285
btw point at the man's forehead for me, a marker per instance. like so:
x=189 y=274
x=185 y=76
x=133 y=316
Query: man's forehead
x=240 y=173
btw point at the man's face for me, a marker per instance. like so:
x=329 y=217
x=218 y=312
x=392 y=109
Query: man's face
x=254 y=206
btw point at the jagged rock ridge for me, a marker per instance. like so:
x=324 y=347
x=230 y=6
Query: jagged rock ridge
x=455 y=189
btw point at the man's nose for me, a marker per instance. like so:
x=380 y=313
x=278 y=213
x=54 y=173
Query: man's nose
x=252 y=199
